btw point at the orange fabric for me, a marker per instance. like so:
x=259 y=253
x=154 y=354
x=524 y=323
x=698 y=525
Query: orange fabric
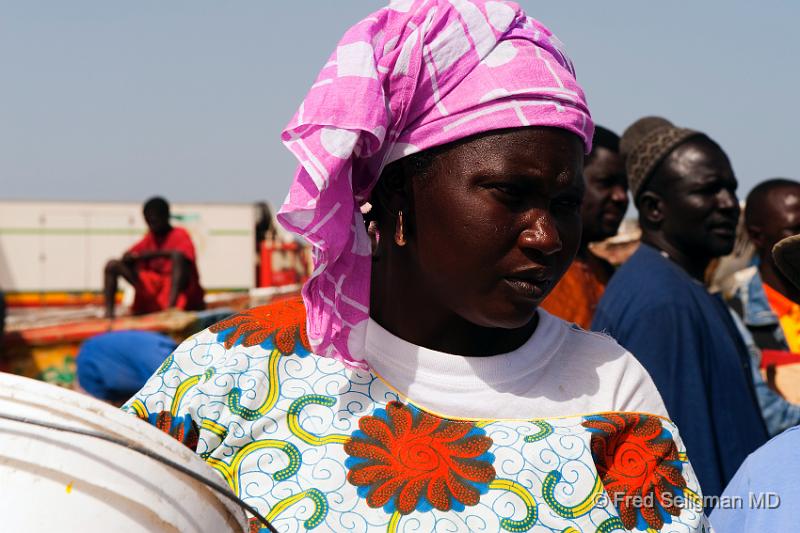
x=789 y=315
x=576 y=296
x=155 y=274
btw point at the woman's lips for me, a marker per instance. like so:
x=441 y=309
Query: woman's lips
x=528 y=288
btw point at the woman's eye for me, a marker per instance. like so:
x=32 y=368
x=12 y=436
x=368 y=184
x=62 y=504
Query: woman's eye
x=571 y=203
x=508 y=189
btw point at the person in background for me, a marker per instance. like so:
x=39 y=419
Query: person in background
x=161 y=267
x=768 y=303
x=763 y=297
x=605 y=201
x=657 y=306
x=265 y=225
x=766 y=483
x=265 y=231
x=114 y=365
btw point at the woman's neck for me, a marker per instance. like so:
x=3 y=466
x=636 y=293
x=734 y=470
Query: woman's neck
x=405 y=308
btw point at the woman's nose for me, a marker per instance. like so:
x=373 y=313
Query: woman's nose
x=541 y=235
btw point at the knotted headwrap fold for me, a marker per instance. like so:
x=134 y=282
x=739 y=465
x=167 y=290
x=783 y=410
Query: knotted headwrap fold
x=414 y=75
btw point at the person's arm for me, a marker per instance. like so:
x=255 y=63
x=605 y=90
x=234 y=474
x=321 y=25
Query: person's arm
x=180 y=276
x=778 y=413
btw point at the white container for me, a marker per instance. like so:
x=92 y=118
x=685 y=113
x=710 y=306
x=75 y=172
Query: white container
x=56 y=481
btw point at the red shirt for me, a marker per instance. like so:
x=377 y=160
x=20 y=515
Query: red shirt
x=155 y=273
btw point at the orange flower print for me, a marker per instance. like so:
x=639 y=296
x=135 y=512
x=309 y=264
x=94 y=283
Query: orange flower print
x=404 y=459
x=280 y=325
x=183 y=429
x=637 y=460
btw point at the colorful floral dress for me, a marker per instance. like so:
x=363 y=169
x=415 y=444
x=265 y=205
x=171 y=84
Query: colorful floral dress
x=316 y=445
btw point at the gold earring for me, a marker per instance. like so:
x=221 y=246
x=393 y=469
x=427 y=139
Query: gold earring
x=399 y=236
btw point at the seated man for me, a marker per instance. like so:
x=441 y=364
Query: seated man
x=605 y=201
x=161 y=267
x=657 y=307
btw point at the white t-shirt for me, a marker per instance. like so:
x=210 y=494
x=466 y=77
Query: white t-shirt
x=561 y=370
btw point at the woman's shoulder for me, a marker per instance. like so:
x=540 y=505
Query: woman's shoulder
x=624 y=382
x=279 y=325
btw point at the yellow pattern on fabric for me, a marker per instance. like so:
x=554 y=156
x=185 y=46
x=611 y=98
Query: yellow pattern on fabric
x=217 y=429
x=586 y=505
x=394 y=522
x=184 y=387
x=139 y=408
x=293 y=420
x=692 y=495
x=320 y=507
x=532 y=510
x=231 y=471
x=235 y=395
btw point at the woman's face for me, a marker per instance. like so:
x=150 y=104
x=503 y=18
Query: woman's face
x=496 y=222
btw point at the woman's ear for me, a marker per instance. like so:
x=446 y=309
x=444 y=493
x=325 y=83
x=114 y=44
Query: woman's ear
x=390 y=193
x=651 y=208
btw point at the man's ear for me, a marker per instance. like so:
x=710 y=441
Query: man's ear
x=651 y=208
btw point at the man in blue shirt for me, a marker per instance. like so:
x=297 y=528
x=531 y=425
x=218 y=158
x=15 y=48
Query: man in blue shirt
x=657 y=307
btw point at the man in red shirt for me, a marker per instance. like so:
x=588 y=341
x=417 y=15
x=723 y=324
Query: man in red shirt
x=162 y=267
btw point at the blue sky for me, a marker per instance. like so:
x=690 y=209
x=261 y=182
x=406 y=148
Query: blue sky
x=112 y=100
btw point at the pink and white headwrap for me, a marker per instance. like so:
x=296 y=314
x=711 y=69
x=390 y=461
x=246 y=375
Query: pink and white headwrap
x=414 y=75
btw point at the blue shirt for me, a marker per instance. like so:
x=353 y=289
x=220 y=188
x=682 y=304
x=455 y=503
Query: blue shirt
x=687 y=341
x=764 y=495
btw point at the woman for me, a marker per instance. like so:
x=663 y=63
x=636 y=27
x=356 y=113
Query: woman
x=416 y=387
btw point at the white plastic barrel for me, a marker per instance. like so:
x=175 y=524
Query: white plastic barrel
x=56 y=481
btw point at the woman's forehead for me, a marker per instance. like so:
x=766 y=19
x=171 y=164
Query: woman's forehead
x=516 y=150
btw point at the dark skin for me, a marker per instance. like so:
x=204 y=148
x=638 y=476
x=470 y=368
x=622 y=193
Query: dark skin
x=604 y=203
x=775 y=217
x=158 y=223
x=491 y=227
x=606 y=198
x=689 y=209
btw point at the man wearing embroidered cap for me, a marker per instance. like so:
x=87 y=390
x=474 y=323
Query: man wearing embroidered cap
x=416 y=386
x=658 y=307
